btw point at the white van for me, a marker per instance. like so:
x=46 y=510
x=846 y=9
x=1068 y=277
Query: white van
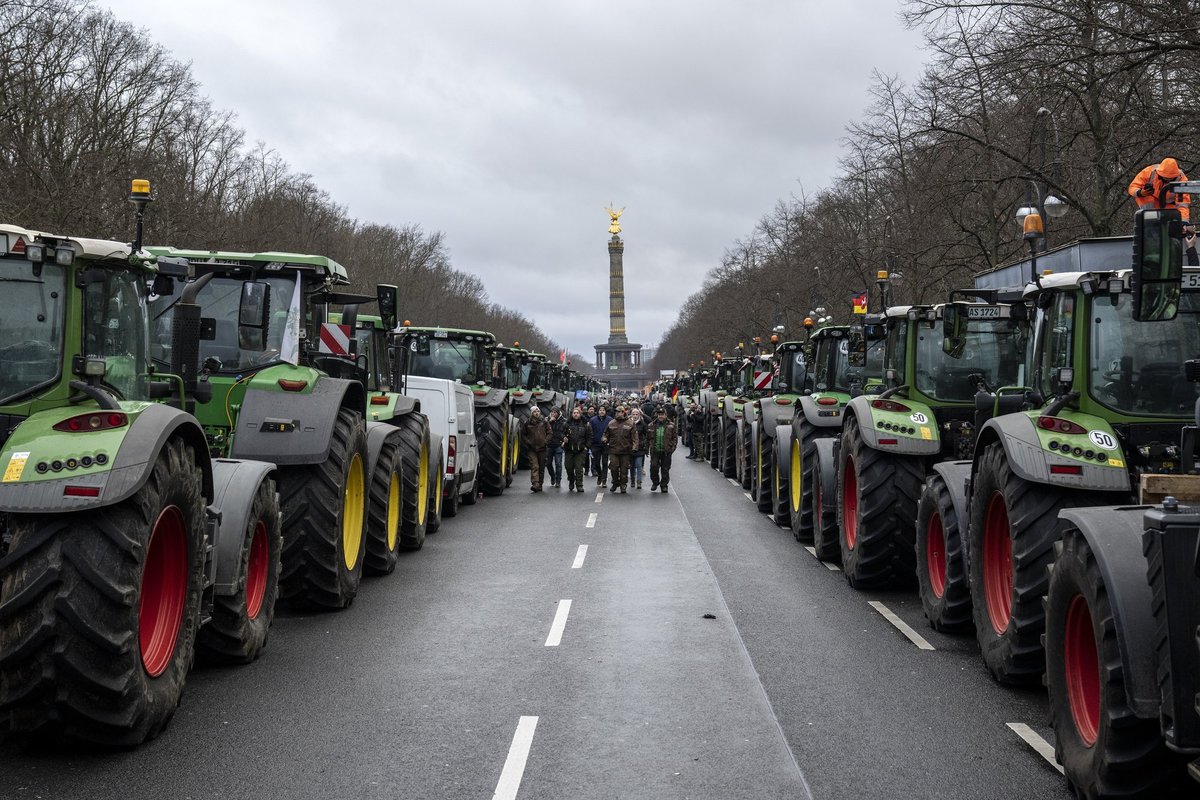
x=450 y=407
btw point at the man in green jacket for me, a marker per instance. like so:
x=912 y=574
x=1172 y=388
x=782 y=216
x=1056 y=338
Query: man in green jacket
x=535 y=435
x=663 y=439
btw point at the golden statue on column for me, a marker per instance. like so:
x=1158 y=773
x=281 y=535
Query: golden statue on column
x=615 y=227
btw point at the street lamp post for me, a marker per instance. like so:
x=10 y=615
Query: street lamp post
x=1039 y=204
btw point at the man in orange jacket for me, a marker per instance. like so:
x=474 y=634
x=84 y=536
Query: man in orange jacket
x=1151 y=183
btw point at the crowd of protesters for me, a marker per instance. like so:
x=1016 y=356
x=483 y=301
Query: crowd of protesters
x=608 y=443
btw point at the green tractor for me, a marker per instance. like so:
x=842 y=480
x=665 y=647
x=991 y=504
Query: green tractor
x=891 y=442
x=725 y=382
x=471 y=357
x=766 y=415
x=125 y=549
x=757 y=380
x=292 y=392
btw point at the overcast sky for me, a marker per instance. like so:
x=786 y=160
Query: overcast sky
x=511 y=124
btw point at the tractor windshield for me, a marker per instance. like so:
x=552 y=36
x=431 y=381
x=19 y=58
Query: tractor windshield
x=449 y=359
x=1136 y=368
x=31 y=327
x=994 y=350
x=835 y=373
x=792 y=373
x=115 y=329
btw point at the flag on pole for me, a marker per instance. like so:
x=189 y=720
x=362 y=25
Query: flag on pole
x=562 y=356
x=289 y=349
x=860 y=303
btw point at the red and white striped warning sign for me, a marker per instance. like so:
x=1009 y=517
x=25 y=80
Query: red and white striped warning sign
x=335 y=339
x=762 y=380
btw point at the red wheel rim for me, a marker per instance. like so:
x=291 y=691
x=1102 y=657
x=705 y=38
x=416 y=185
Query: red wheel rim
x=935 y=554
x=997 y=563
x=164 y=591
x=256 y=571
x=1081 y=662
x=850 y=503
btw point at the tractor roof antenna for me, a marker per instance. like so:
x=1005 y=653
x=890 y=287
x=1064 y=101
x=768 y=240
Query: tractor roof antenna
x=139 y=195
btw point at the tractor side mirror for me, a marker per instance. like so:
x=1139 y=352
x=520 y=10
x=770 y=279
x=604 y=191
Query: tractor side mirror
x=1157 y=275
x=385 y=294
x=954 y=330
x=254 y=314
x=856 y=347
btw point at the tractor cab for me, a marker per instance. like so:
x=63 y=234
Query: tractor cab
x=448 y=353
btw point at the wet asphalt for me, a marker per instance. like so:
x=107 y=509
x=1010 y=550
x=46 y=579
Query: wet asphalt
x=705 y=654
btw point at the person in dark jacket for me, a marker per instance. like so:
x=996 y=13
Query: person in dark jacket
x=620 y=439
x=638 y=457
x=535 y=435
x=663 y=440
x=695 y=423
x=575 y=441
x=600 y=424
x=554 y=449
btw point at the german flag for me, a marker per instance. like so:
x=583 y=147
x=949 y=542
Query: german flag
x=674 y=392
x=860 y=303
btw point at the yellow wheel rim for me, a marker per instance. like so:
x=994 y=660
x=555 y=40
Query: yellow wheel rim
x=516 y=454
x=504 y=453
x=352 y=513
x=775 y=484
x=423 y=484
x=393 y=511
x=797 y=477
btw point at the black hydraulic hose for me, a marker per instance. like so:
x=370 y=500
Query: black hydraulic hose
x=192 y=289
x=102 y=398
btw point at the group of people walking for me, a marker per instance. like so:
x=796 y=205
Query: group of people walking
x=595 y=444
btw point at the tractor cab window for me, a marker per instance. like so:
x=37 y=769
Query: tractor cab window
x=31 y=327
x=897 y=346
x=447 y=359
x=1056 y=337
x=115 y=329
x=1137 y=367
x=370 y=346
x=793 y=372
x=994 y=349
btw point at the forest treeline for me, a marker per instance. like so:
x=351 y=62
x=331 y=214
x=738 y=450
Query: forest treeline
x=88 y=101
x=1062 y=97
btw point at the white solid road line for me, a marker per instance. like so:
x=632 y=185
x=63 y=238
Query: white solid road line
x=580 y=555
x=735 y=483
x=901 y=625
x=560 y=622
x=514 y=765
x=812 y=551
x=600 y=497
x=748 y=497
x=829 y=565
x=591 y=523
x=1040 y=745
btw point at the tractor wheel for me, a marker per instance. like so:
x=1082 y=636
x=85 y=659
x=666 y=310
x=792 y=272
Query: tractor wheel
x=415 y=453
x=492 y=427
x=99 y=610
x=780 y=488
x=745 y=457
x=522 y=414
x=240 y=622
x=514 y=452
x=764 y=481
x=1105 y=750
x=713 y=439
x=450 y=504
x=385 y=509
x=729 y=449
x=941 y=571
x=804 y=462
x=324 y=520
x=877 y=505
x=437 y=482
x=826 y=540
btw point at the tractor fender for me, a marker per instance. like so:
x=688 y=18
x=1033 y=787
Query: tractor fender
x=522 y=399
x=956 y=475
x=406 y=405
x=131 y=466
x=774 y=415
x=1115 y=538
x=493 y=398
x=1030 y=461
x=820 y=416
x=860 y=408
x=783 y=451
x=377 y=436
x=313 y=414
x=827 y=457
x=236 y=485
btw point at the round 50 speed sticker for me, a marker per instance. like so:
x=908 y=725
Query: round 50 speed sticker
x=1102 y=439
x=919 y=418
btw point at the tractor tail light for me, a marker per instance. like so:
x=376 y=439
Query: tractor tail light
x=81 y=491
x=292 y=386
x=827 y=401
x=379 y=400
x=890 y=405
x=98 y=421
x=1059 y=425
x=1066 y=469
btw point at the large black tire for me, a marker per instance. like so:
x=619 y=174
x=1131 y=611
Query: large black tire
x=385 y=509
x=416 y=454
x=745 y=457
x=1105 y=750
x=804 y=462
x=876 y=508
x=763 y=484
x=941 y=569
x=323 y=506
x=781 y=487
x=491 y=425
x=521 y=413
x=713 y=437
x=729 y=448
x=237 y=632
x=437 y=478
x=826 y=540
x=73 y=665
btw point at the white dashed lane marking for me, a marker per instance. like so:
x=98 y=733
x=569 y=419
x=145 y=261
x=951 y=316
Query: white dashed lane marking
x=591 y=523
x=559 y=623
x=514 y=765
x=580 y=555
x=1031 y=738
x=901 y=625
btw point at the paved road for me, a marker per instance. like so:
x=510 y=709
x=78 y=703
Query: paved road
x=445 y=680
